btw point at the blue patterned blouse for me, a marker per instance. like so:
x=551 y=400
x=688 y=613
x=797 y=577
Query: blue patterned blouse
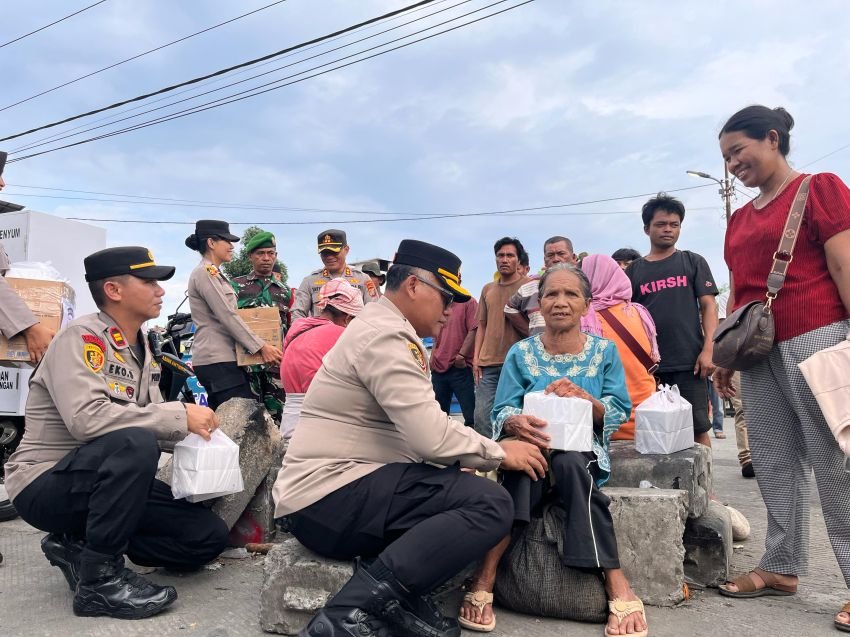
x=596 y=369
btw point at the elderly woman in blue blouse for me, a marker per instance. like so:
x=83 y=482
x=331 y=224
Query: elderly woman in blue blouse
x=565 y=361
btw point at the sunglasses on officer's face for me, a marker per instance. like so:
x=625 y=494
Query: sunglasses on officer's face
x=448 y=297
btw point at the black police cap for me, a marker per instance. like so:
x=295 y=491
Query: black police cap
x=444 y=264
x=208 y=229
x=332 y=239
x=134 y=260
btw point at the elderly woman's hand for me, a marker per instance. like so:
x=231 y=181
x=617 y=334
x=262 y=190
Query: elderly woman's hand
x=527 y=428
x=564 y=388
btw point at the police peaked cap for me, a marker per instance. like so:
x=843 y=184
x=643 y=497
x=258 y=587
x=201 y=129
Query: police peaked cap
x=135 y=260
x=210 y=229
x=444 y=264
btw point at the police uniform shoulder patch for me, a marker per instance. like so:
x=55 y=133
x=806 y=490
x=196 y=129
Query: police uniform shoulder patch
x=370 y=287
x=93 y=357
x=94 y=340
x=418 y=356
x=117 y=337
x=212 y=270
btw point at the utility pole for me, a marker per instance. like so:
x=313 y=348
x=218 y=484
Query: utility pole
x=727 y=189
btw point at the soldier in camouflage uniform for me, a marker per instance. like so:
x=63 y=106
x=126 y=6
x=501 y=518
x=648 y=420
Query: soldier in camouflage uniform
x=333 y=249
x=263 y=288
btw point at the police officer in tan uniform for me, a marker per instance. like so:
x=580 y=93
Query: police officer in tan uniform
x=15 y=316
x=356 y=479
x=85 y=468
x=333 y=249
x=213 y=300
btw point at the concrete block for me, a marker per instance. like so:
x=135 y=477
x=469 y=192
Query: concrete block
x=689 y=470
x=649 y=524
x=249 y=425
x=708 y=546
x=296 y=584
x=256 y=524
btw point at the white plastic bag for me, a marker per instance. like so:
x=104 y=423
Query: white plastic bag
x=203 y=470
x=664 y=422
x=291 y=414
x=569 y=420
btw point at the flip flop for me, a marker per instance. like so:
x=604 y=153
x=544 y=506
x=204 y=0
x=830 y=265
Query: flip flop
x=747 y=587
x=479 y=599
x=623 y=609
x=841 y=625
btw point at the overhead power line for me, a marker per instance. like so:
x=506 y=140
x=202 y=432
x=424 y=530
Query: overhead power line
x=254 y=92
x=59 y=137
x=47 y=26
x=137 y=56
x=219 y=72
x=113 y=117
x=412 y=216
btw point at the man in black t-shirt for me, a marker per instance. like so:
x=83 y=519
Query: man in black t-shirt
x=677 y=288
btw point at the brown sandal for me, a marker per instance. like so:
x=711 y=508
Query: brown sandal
x=747 y=586
x=841 y=625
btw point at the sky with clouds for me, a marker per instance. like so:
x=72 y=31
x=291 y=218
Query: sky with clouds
x=547 y=104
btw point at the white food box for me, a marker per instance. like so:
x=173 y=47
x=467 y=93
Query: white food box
x=664 y=423
x=569 y=420
x=202 y=469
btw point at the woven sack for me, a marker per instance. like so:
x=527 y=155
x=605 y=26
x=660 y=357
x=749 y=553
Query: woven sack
x=531 y=578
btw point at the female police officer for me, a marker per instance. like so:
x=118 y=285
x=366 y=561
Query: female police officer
x=213 y=305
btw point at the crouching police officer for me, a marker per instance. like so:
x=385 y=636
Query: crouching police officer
x=84 y=470
x=355 y=480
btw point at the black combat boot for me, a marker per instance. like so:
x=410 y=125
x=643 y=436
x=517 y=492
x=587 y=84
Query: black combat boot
x=383 y=597
x=342 y=621
x=108 y=588
x=63 y=552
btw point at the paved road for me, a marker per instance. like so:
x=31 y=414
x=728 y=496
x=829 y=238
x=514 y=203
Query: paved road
x=35 y=601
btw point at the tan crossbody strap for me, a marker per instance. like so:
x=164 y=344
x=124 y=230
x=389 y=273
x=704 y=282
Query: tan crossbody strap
x=785 y=252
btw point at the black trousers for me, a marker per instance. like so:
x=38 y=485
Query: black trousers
x=589 y=538
x=457 y=381
x=224 y=381
x=426 y=524
x=104 y=492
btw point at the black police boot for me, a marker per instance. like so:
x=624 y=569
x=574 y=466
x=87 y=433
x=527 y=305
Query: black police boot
x=107 y=588
x=63 y=552
x=341 y=621
x=383 y=596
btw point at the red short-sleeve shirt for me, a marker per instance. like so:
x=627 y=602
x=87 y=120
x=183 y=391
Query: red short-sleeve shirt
x=809 y=298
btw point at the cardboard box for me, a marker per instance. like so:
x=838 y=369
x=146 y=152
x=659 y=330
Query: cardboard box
x=52 y=302
x=265 y=323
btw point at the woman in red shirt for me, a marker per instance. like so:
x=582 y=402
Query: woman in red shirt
x=788 y=434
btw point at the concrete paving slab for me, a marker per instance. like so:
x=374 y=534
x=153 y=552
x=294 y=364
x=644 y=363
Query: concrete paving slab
x=35 y=601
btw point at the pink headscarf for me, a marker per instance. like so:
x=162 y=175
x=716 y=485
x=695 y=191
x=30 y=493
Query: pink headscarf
x=609 y=287
x=342 y=295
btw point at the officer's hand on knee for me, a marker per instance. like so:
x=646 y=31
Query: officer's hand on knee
x=201 y=420
x=523 y=456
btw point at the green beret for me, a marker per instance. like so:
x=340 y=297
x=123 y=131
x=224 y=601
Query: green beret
x=262 y=239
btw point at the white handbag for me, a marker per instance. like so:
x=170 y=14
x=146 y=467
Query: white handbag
x=827 y=373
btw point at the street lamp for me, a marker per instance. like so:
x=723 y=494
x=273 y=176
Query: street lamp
x=726 y=187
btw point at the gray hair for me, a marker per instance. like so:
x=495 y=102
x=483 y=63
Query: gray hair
x=572 y=269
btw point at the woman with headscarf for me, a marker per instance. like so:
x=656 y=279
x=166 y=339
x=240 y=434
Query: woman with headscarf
x=612 y=315
x=219 y=328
